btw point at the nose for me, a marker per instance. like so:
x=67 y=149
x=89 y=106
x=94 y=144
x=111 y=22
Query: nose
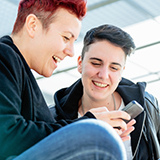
x=69 y=50
x=103 y=73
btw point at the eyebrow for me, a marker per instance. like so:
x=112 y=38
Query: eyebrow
x=117 y=64
x=94 y=58
x=70 y=33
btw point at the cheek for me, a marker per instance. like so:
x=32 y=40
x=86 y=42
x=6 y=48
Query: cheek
x=116 y=78
x=87 y=74
x=55 y=45
x=89 y=70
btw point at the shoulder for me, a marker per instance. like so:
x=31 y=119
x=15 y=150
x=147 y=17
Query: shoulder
x=152 y=108
x=10 y=56
x=7 y=48
x=12 y=64
x=151 y=100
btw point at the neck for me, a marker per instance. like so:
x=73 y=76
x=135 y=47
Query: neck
x=87 y=104
x=22 y=44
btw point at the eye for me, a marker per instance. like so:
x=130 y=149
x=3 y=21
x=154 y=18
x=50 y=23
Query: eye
x=95 y=64
x=66 y=39
x=114 y=68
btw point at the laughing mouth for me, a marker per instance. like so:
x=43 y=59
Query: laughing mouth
x=56 y=59
x=100 y=84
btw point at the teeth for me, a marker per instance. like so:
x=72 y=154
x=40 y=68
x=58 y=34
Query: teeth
x=57 y=59
x=100 y=84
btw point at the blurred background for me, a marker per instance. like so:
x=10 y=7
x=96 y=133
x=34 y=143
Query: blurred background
x=140 y=18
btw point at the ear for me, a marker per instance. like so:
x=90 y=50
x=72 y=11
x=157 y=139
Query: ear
x=31 y=24
x=79 y=64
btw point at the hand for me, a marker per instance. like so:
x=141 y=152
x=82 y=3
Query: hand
x=125 y=133
x=114 y=118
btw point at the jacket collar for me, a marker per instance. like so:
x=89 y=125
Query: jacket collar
x=130 y=91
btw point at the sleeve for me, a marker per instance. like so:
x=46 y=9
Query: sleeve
x=16 y=133
x=158 y=119
x=153 y=113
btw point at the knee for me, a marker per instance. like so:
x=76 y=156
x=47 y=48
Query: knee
x=95 y=129
x=100 y=135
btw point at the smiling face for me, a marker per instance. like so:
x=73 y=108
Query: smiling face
x=54 y=45
x=101 y=70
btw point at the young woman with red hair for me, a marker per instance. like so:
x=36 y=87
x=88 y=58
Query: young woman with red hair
x=44 y=34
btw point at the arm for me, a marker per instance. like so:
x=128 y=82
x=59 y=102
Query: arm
x=153 y=115
x=153 y=112
x=21 y=126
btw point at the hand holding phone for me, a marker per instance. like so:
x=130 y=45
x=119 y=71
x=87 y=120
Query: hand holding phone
x=133 y=109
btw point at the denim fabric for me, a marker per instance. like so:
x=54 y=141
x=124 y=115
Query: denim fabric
x=83 y=140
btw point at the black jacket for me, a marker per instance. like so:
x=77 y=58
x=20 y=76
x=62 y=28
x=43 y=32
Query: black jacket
x=25 y=117
x=145 y=139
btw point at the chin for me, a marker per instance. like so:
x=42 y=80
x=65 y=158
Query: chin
x=47 y=74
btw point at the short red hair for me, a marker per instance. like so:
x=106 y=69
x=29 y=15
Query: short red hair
x=45 y=9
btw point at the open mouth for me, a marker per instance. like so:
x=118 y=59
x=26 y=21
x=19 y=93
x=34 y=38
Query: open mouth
x=56 y=59
x=100 y=84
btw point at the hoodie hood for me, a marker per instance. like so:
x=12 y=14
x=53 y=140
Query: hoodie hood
x=130 y=91
x=67 y=99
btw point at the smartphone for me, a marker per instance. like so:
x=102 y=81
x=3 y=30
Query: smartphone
x=133 y=109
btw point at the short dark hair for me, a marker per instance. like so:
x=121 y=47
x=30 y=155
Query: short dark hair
x=110 y=33
x=45 y=9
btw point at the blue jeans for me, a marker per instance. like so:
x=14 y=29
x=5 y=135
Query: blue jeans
x=83 y=140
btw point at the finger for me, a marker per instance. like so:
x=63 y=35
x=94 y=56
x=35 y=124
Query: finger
x=118 y=131
x=118 y=124
x=131 y=123
x=125 y=138
x=99 y=110
x=128 y=131
x=119 y=114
